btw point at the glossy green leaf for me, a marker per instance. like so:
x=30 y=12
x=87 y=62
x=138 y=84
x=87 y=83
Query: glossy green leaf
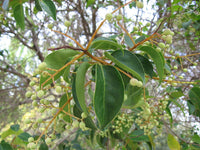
x=63 y=100
x=109 y=94
x=128 y=62
x=49 y=7
x=158 y=59
x=105 y=44
x=172 y=142
x=134 y=94
x=56 y=60
x=147 y=65
x=18 y=13
x=80 y=85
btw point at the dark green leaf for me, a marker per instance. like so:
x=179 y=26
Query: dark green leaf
x=18 y=13
x=49 y=7
x=5 y=146
x=15 y=127
x=80 y=85
x=43 y=146
x=194 y=95
x=147 y=65
x=128 y=62
x=24 y=136
x=63 y=100
x=158 y=59
x=56 y=60
x=109 y=93
x=191 y=107
x=138 y=136
x=37 y=5
x=105 y=44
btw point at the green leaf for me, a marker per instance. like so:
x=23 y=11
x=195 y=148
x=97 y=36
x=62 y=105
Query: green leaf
x=134 y=95
x=37 y=5
x=66 y=74
x=176 y=94
x=138 y=136
x=196 y=138
x=56 y=60
x=147 y=65
x=128 y=62
x=158 y=59
x=128 y=41
x=24 y=136
x=194 y=103
x=140 y=39
x=49 y=7
x=18 y=13
x=80 y=85
x=89 y=3
x=43 y=146
x=172 y=142
x=10 y=132
x=5 y=146
x=105 y=44
x=15 y=127
x=63 y=100
x=109 y=94
x=194 y=95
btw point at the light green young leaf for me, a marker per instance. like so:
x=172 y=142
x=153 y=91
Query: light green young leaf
x=49 y=7
x=109 y=93
x=173 y=143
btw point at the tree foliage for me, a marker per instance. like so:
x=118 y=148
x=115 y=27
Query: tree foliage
x=122 y=81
